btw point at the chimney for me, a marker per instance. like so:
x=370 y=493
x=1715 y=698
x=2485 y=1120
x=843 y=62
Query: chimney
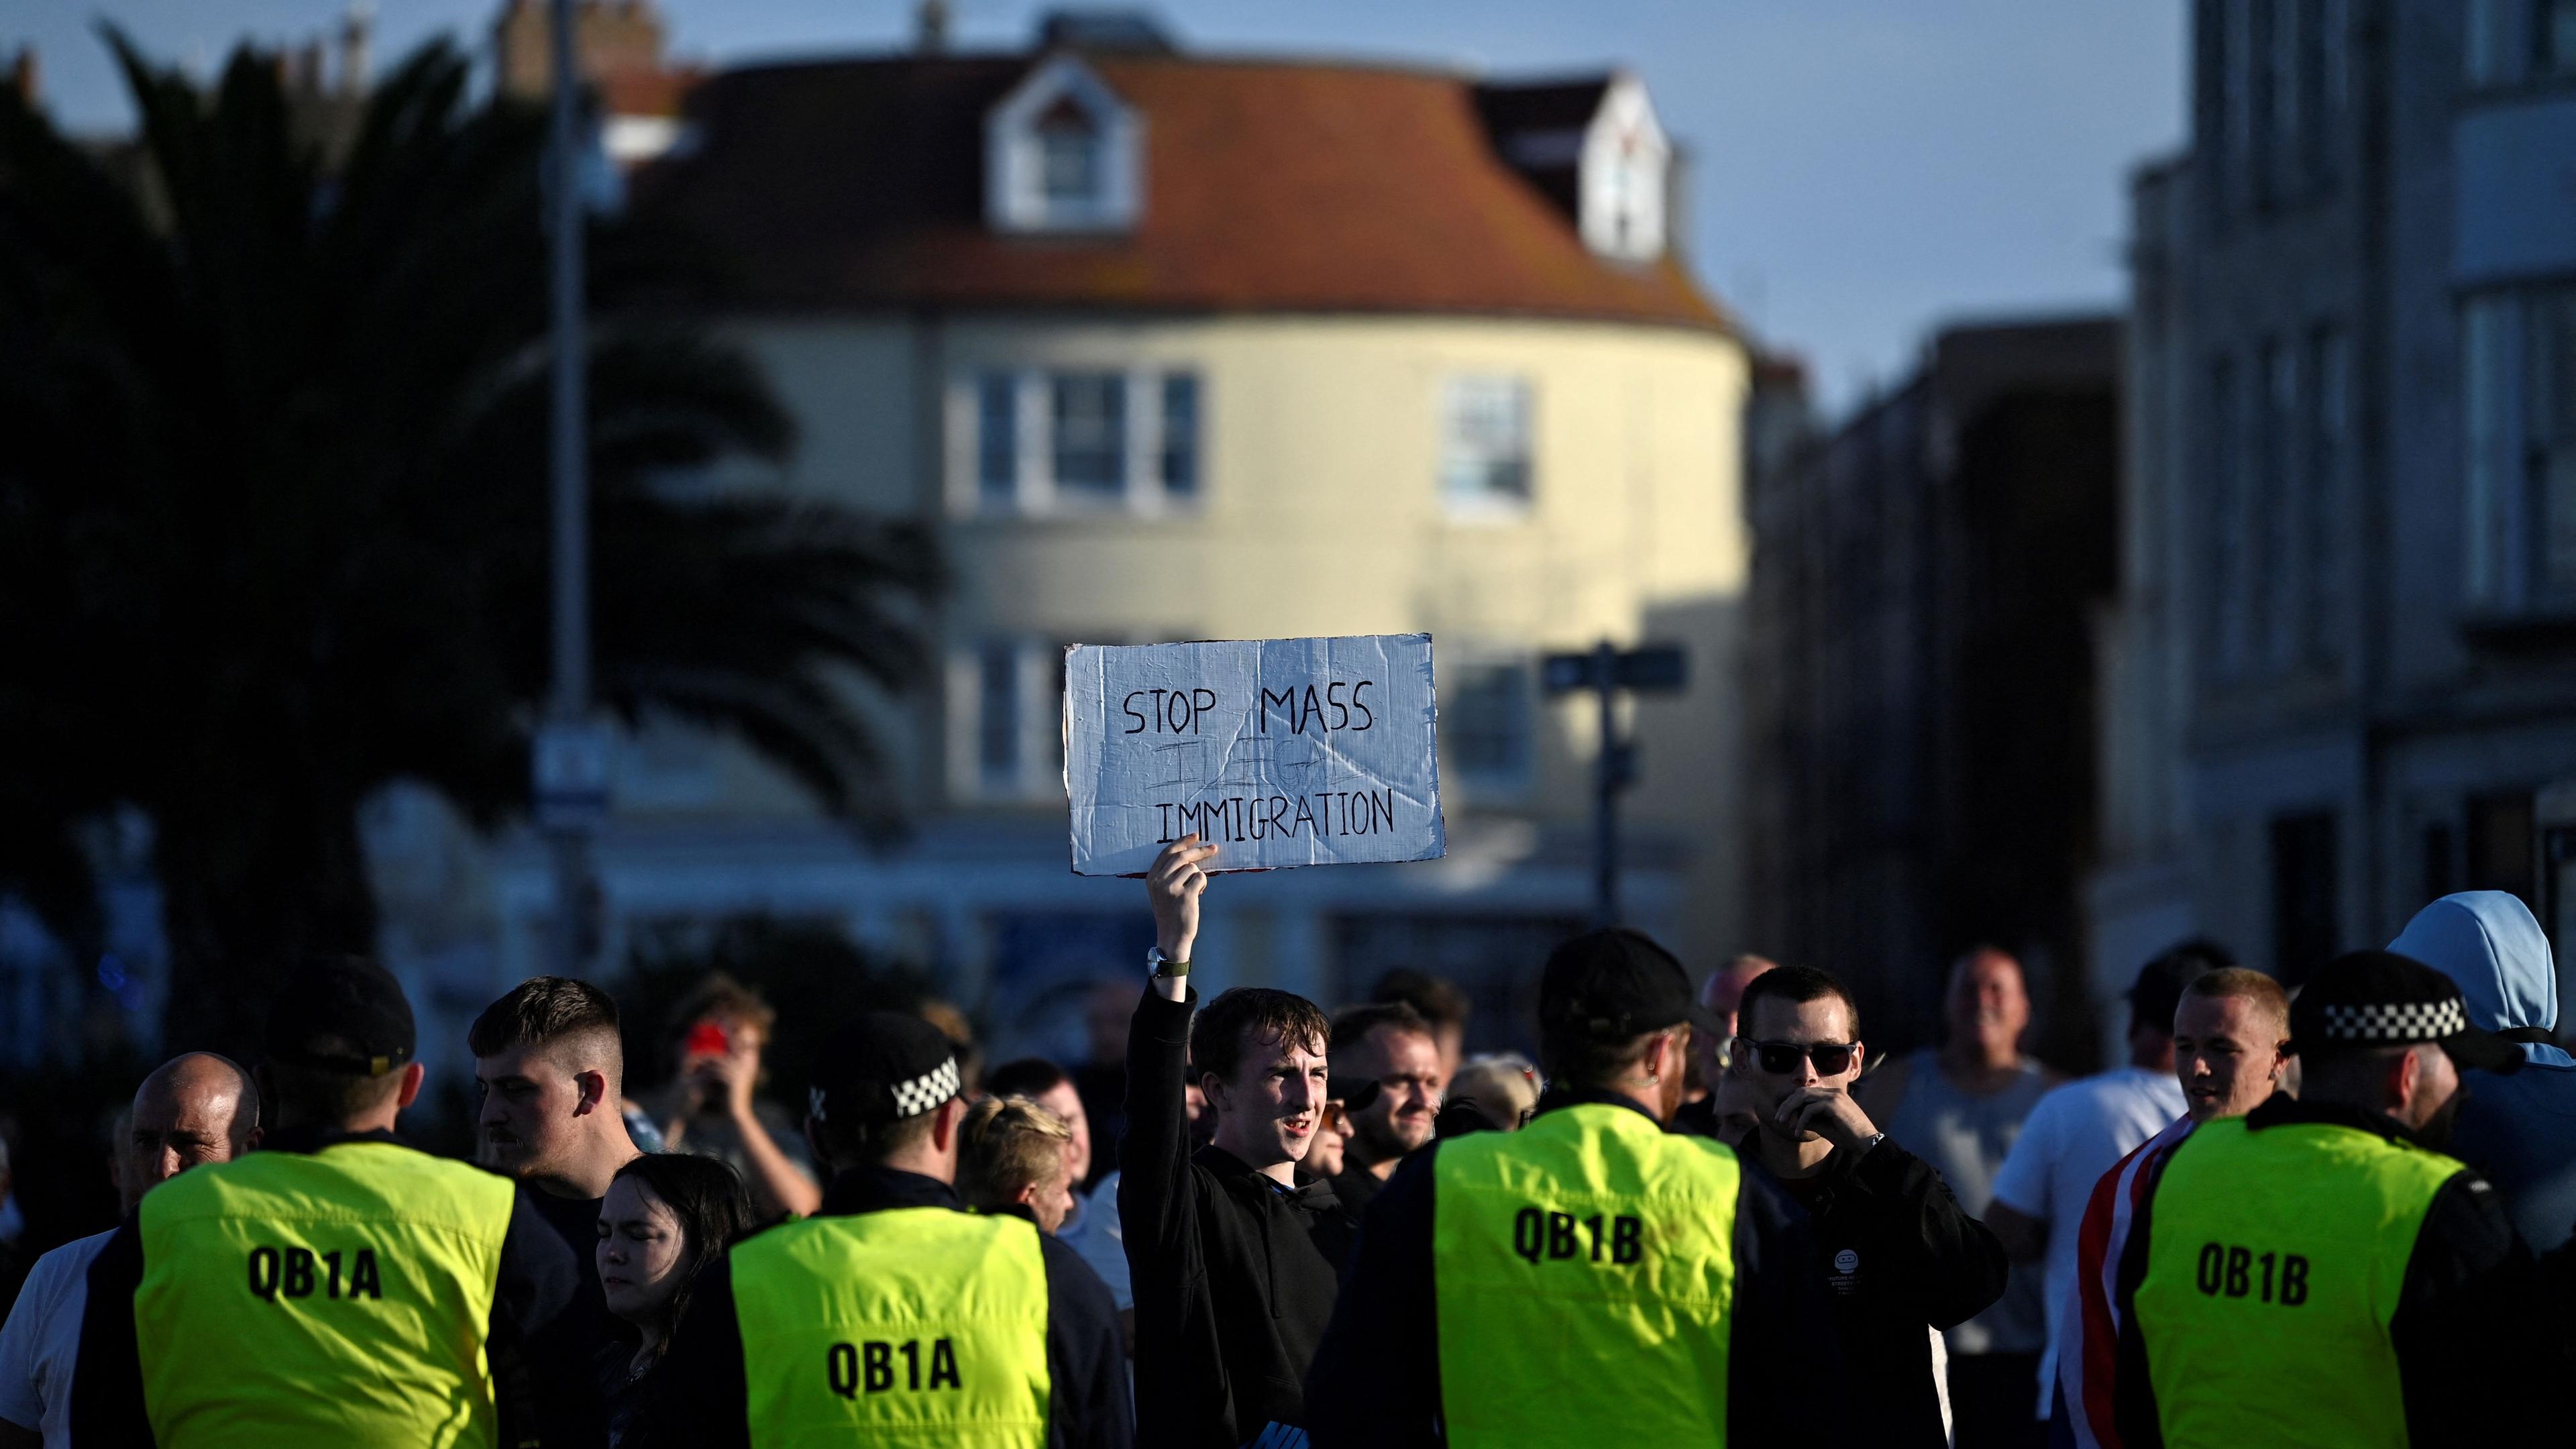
x=26 y=78
x=354 y=62
x=932 y=28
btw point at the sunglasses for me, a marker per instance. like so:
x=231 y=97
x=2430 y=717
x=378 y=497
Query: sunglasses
x=1780 y=1058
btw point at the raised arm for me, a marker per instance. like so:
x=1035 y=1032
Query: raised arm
x=1153 y=1206
x=1178 y=878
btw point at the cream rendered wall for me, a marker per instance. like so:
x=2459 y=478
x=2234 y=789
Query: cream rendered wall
x=1319 y=511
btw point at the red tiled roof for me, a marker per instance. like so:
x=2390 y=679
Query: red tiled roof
x=647 y=92
x=1269 y=187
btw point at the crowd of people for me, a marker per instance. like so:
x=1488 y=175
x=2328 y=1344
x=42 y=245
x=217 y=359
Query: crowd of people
x=1700 y=1215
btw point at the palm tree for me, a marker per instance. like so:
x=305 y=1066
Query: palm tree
x=272 y=510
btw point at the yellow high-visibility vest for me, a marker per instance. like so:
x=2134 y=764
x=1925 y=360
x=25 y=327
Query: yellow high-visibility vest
x=2274 y=1263
x=1584 y=1270
x=914 y=1328
x=330 y=1298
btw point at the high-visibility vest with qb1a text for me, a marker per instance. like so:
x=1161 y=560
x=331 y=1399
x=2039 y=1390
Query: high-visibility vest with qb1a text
x=2275 y=1258
x=327 y=1298
x=1584 y=1273
x=913 y=1328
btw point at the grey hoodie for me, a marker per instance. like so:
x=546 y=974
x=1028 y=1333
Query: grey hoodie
x=2520 y=1131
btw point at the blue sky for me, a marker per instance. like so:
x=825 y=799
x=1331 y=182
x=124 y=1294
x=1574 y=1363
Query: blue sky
x=1863 y=169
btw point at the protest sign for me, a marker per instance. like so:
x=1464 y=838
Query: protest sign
x=1284 y=751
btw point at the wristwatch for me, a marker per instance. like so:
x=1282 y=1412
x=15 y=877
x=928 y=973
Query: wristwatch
x=1160 y=966
x=1872 y=1140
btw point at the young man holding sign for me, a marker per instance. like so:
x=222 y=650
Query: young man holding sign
x=1236 y=1255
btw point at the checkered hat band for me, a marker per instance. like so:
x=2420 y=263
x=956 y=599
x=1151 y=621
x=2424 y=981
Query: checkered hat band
x=2410 y=1021
x=924 y=1092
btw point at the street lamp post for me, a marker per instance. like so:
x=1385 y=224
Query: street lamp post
x=570 y=762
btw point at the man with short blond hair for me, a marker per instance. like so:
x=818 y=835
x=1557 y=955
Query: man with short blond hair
x=2231 y=1042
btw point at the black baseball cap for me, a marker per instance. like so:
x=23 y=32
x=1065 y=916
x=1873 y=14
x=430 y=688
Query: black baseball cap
x=341 y=1014
x=2379 y=998
x=883 y=1067
x=1615 y=984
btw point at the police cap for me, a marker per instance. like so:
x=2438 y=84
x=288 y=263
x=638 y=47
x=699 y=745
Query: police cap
x=883 y=1067
x=2379 y=998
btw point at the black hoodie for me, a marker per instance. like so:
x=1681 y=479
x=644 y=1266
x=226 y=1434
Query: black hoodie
x=1235 y=1275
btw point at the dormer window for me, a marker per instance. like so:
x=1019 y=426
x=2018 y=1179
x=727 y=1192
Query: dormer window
x=1627 y=165
x=1063 y=154
x=1068 y=156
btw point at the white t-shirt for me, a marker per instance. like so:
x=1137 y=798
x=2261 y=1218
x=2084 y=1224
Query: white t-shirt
x=2073 y=1136
x=42 y=1339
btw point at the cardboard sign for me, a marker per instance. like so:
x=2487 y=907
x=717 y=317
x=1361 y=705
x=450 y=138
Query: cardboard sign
x=1284 y=751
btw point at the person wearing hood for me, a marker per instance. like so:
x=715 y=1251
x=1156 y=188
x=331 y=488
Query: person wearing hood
x=2519 y=1130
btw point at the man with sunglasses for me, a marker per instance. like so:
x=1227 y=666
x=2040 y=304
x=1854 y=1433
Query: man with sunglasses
x=1899 y=1253
x=1591 y=1276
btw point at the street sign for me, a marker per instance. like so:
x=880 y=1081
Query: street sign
x=1652 y=669
x=570 y=764
x=1606 y=669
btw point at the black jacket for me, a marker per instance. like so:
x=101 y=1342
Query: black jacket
x=2474 y=1359
x=698 y=1396
x=1901 y=1258
x=540 y=1359
x=1376 y=1381
x=1234 y=1275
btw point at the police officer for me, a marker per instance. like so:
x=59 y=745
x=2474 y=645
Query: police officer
x=336 y=1286
x=895 y=1316
x=1592 y=1278
x=2316 y=1272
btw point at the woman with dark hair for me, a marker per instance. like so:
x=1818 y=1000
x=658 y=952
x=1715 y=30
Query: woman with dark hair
x=666 y=1217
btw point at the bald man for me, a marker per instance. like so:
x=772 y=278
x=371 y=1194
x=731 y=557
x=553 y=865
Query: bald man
x=1726 y=1111
x=193 y=1109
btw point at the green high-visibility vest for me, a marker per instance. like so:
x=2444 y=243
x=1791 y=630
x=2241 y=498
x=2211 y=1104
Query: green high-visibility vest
x=2274 y=1263
x=1584 y=1270
x=915 y=1328
x=330 y=1298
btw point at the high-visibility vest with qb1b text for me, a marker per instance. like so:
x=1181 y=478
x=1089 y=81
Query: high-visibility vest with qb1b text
x=1584 y=1275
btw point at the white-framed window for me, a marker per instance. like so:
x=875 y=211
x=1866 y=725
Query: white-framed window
x=2518 y=374
x=1063 y=153
x=1074 y=441
x=1006 y=719
x=1626 y=167
x=1485 y=447
x=1488 y=721
x=1070 y=165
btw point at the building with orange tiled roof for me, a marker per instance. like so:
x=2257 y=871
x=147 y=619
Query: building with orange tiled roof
x=1176 y=346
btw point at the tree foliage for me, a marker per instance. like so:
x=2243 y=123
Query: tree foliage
x=273 y=527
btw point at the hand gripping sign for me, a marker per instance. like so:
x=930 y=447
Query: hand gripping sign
x=1285 y=751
